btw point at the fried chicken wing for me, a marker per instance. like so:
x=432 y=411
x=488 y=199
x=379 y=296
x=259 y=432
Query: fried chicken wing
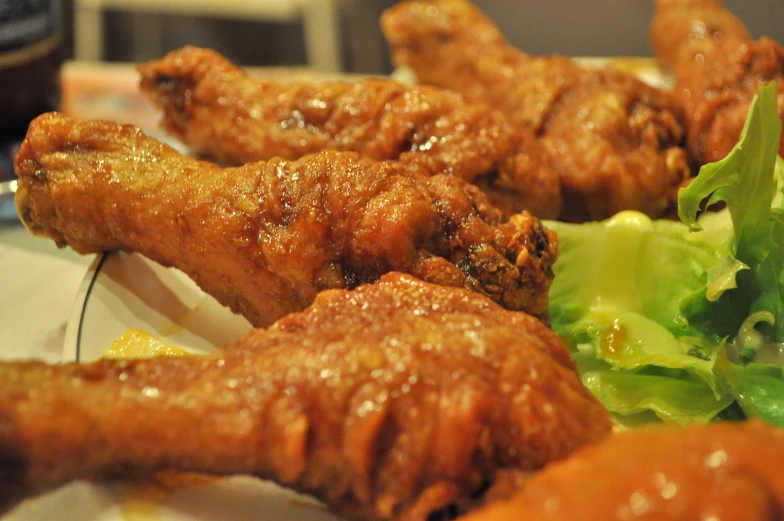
x=264 y=238
x=678 y=22
x=392 y=401
x=718 y=70
x=222 y=112
x=731 y=472
x=614 y=141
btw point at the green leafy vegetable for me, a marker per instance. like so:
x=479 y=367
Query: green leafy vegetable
x=686 y=319
x=616 y=295
x=760 y=392
x=748 y=181
x=672 y=398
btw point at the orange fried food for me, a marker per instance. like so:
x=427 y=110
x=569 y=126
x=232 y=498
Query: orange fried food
x=718 y=70
x=392 y=401
x=614 y=141
x=727 y=472
x=264 y=238
x=678 y=23
x=222 y=112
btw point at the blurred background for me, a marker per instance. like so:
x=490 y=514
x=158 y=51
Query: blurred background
x=344 y=34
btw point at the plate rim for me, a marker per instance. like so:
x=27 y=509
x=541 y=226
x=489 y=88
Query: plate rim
x=73 y=330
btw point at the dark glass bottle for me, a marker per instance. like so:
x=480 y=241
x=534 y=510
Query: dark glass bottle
x=30 y=62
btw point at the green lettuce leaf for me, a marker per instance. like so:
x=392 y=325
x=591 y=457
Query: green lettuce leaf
x=672 y=397
x=617 y=288
x=669 y=317
x=759 y=391
x=749 y=180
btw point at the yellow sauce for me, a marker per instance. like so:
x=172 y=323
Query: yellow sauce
x=141 y=500
x=136 y=343
x=140 y=506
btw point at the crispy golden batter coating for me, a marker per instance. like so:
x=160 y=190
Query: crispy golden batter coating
x=718 y=70
x=391 y=401
x=264 y=238
x=731 y=472
x=222 y=112
x=677 y=22
x=614 y=140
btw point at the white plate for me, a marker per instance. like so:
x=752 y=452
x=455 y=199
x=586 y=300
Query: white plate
x=123 y=291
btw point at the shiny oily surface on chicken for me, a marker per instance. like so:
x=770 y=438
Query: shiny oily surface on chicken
x=724 y=472
x=615 y=142
x=718 y=69
x=392 y=401
x=222 y=112
x=266 y=237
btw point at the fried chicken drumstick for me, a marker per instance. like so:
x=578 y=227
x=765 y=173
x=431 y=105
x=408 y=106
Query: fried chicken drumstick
x=731 y=472
x=680 y=23
x=614 y=140
x=264 y=238
x=391 y=401
x=222 y=112
x=718 y=70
